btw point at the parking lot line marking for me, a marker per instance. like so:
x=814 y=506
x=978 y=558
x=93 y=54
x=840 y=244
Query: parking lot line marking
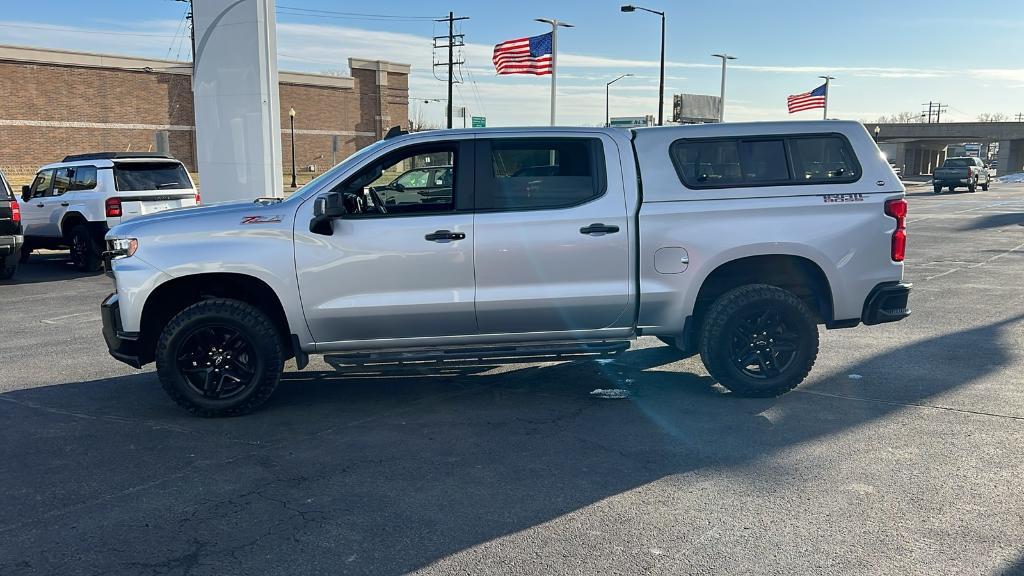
x=66 y=316
x=1000 y=255
x=941 y=275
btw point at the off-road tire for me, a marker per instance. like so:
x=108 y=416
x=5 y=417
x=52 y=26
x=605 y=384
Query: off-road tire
x=8 y=266
x=255 y=326
x=85 y=251
x=724 y=315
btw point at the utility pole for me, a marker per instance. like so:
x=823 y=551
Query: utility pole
x=1020 y=116
x=452 y=39
x=935 y=110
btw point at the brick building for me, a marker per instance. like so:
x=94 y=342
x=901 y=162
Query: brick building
x=56 y=102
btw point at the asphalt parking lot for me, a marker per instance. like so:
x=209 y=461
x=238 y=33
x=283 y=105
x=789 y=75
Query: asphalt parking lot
x=903 y=453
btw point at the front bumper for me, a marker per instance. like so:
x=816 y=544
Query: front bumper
x=122 y=345
x=10 y=244
x=887 y=302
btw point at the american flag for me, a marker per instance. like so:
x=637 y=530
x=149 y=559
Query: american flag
x=524 y=56
x=808 y=100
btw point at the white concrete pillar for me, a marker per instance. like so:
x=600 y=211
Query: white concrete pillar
x=234 y=83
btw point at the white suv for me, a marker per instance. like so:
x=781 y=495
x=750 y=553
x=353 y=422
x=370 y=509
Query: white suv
x=72 y=204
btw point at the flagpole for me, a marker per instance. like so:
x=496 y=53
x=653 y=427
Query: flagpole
x=554 y=57
x=824 y=112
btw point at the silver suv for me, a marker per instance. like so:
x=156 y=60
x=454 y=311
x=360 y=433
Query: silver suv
x=732 y=241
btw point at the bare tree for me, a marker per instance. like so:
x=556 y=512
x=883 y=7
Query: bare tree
x=993 y=117
x=900 y=118
x=333 y=72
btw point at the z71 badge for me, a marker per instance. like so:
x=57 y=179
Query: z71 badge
x=843 y=198
x=261 y=219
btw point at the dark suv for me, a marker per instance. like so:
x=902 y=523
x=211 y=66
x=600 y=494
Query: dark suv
x=11 y=237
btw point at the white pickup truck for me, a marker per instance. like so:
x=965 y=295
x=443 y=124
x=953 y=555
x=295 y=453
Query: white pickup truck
x=734 y=241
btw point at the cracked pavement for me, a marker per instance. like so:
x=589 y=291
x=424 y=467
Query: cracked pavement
x=903 y=453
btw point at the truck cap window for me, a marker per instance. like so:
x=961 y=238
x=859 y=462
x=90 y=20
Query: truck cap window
x=539 y=173
x=764 y=161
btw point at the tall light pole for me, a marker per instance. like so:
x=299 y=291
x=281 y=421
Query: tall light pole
x=554 y=55
x=291 y=119
x=661 y=78
x=607 y=119
x=721 y=99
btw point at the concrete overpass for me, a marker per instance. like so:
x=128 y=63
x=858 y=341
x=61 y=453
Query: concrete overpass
x=919 y=147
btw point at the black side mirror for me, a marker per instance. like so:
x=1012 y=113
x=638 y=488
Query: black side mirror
x=398 y=186
x=325 y=209
x=26 y=191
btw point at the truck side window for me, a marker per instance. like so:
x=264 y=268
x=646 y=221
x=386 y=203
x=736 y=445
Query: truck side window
x=539 y=173
x=823 y=159
x=402 y=182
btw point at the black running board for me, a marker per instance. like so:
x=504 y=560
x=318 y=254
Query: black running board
x=534 y=352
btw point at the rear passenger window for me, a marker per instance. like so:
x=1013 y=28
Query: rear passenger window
x=61 y=181
x=539 y=173
x=83 y=178
x=823 y=159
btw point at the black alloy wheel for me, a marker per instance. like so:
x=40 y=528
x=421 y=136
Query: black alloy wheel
x=763 y=345
x=218 y=362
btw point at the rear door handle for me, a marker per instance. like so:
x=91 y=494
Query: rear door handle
x=599 y=229
x=65 y=204
x=40 y=205
x=445 y=236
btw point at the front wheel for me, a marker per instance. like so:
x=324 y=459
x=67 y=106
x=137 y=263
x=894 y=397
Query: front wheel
x=220 y=357
x=759 y=340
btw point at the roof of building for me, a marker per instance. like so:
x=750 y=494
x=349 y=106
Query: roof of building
x=119 y=62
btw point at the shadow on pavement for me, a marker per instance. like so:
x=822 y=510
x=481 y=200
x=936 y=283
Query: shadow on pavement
x=47 y=267
x=388 y=472
x=994 y=221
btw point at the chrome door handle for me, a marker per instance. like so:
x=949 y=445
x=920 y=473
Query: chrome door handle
x=599 y=228
x=445 y=236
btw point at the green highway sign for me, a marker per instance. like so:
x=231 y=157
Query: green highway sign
x=479 y=121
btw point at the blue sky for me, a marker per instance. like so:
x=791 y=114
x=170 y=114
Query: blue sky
x=887 y=56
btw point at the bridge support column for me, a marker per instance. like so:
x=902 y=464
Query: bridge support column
x=1011 y=157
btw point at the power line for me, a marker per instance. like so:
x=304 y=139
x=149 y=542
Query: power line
x=330 y=14
x=177 y=31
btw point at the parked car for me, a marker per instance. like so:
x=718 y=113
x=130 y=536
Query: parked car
x=72 y=204
x=427 y=185
x=744 y=239
x=961 y=171
x=11 y=238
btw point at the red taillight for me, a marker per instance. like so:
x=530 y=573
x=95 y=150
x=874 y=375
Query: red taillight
x=898 y=209
x=970 y=172
x=113 y=207
x=15 y=211
x=198 y=198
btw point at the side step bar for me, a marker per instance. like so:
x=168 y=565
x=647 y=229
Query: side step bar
x=533 y=352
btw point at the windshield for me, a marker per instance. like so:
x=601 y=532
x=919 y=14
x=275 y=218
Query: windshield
x=329 y=175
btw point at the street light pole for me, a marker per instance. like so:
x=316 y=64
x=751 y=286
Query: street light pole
x=291 y=119
x=721 y=98
x=607 y=119
x=661 y=76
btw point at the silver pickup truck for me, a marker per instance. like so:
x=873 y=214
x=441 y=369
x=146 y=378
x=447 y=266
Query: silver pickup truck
x=734 y=241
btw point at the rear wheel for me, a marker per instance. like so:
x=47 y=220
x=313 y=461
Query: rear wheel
x=219 y=357
x=952 y=188
x=937 y=189
x=26 y=250
x=984 y=187
x=8 y=266
x=972 y=186
x=85 y=251
x=759 y=340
